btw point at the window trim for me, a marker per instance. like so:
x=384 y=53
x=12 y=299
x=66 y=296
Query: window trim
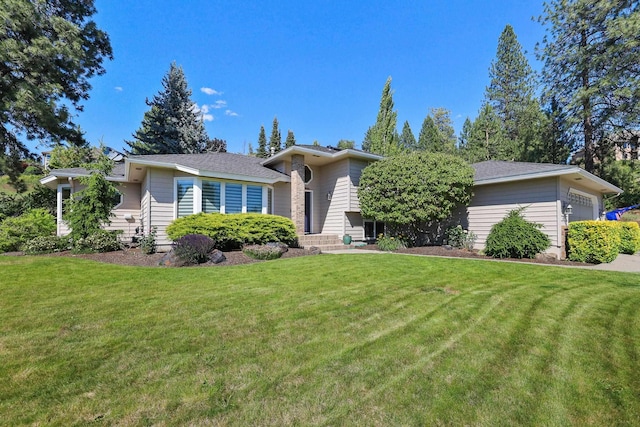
x=305 y=174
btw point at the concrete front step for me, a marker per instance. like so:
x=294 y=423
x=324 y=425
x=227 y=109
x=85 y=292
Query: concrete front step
x=324 y=248
x=319 y=240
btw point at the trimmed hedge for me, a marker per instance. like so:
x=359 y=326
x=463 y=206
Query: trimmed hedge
x=629 y=237
x=515 y=237
x=232 y=231
x=594 y=242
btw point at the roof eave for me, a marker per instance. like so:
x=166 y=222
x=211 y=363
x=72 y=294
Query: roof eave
x=610 y=188
x=281 y=155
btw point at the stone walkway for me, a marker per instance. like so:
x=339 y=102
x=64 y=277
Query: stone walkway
x=623 y=263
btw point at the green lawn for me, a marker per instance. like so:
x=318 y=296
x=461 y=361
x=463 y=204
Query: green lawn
x=327 y=340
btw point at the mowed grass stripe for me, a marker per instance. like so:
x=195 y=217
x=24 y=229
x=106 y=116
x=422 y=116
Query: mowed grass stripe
x=335 y=340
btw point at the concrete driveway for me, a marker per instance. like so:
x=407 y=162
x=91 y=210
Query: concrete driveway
x=625 y=263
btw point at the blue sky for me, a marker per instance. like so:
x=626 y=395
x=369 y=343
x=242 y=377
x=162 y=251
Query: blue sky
x=318 y=66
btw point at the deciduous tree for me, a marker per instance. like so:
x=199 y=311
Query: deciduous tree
x=412 y=190
x=382 y=138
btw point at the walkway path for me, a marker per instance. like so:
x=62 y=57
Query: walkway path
x=623 y=263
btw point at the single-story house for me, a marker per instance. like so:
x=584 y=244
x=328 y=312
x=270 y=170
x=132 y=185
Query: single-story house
x=317 y=188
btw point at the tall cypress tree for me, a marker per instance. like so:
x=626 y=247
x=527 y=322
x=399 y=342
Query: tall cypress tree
x=275 y=140
x=172 y=125
x=382 y=138
x=592 y=68
x=291 y=139
x=262 y=144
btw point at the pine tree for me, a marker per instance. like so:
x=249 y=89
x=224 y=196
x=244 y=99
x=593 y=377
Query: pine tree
x=262 y=144
x=215 y=145
x=511 y=91
x=486 y=140
x=275 y=140
x=592 y=69
x=437 y=134
x=382 y=138
x=291 y=140
x=172 y=125
x=407 y=139
x=428 y=135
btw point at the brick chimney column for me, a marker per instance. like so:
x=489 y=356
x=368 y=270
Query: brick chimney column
x=297 y=192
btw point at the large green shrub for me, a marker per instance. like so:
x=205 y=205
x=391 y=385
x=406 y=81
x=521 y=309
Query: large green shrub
x=593 y=241
x=411 y=191
x=629 y=237
x=15 y=231
x=99 y=241
x=235 y=230
x=515 y=237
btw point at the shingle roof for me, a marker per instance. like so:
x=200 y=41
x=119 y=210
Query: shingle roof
x=226 y=163
x=117 y=172
x=494 y=169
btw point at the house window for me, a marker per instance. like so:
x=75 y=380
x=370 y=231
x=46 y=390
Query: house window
x=184 y=190
x=254 y=199
x=308 y=174
x=118 y=198
x=233 y=198
x=210 y=196
x=372 y=229
x=65 y=197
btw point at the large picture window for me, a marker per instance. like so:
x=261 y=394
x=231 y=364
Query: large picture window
x=233 y=198
x=185 y=197
x=210 y=196
x=194 y=195
x=254 y=199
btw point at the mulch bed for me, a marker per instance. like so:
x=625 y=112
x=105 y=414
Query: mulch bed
x=463 y=253
x=134 y=257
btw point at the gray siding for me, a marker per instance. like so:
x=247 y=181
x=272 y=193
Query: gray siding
x=161 y=207
x=130 y=206
x=581 y=212
x=491 y=203
x=282 y=199
x=335 y=180
x=145 y=201
x=355 y=170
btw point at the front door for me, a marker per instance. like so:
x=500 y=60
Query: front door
x=308 y=208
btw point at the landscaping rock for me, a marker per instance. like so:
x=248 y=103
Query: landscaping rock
x=217 y=257
x=314 y=250
x=281 y=246
x=170 y=259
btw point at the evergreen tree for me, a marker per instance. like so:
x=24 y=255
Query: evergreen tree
x=49 y=51
x=215 y=145
x=291 y=140
x=511 y=93
x=382 y=138
x=428 y=135
x=407 y=139
x=262 y=144
x=172 y=125
x=275 y=140
x=437 y=134
x=486 y=140
x=592 y=68
x=465 y=137
x=346 y=144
